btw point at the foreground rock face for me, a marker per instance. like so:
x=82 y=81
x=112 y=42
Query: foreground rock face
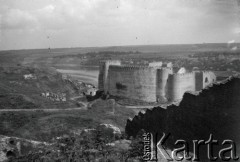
x=215 y=111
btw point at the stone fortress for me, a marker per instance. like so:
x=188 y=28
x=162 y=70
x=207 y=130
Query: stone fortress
x=156 y=82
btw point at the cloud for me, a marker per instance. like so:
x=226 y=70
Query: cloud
x=51 y=16
x=66 y=14
x=238 y=2
x=18 y=19
x=119 y=22
x=236 y=31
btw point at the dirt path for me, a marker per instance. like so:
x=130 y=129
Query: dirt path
x=46 y=110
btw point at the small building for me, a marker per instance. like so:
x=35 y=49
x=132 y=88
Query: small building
x=182 y=70
x=29 y=76
x=91 y=91
x=154 y=64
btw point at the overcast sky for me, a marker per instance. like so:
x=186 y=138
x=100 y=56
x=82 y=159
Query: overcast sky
x=79 y=23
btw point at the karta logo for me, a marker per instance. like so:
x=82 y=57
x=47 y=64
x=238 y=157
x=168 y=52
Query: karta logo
x=226 y=152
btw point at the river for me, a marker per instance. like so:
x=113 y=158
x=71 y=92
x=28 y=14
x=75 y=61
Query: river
x=87 y=76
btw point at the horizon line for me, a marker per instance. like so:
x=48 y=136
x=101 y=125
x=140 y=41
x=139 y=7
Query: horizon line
x=167 y=44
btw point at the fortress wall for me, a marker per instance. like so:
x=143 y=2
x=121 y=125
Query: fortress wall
x=103 y=72
x=133 y=82
x=162 y=77
x=178 y=84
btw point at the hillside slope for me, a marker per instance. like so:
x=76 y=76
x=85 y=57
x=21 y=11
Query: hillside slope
x=17 y=92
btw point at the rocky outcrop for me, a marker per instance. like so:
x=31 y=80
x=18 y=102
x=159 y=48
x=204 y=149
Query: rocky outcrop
x=12 y=147
x=214 y=110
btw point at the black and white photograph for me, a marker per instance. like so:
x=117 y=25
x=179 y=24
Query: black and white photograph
x=119 y=80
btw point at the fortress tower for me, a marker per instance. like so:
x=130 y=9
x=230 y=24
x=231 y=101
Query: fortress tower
x=178 y=84
x=134 y=82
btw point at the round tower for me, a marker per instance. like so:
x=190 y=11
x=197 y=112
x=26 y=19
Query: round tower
x=173 y=88
x=178 y=84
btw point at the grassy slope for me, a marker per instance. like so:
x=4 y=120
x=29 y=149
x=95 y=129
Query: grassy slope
x=45 y=126
x=16 y=92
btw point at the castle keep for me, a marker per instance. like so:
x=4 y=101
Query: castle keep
x=154 y=83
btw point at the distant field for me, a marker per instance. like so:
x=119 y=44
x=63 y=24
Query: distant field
x=140 y=48
x=45 y=56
